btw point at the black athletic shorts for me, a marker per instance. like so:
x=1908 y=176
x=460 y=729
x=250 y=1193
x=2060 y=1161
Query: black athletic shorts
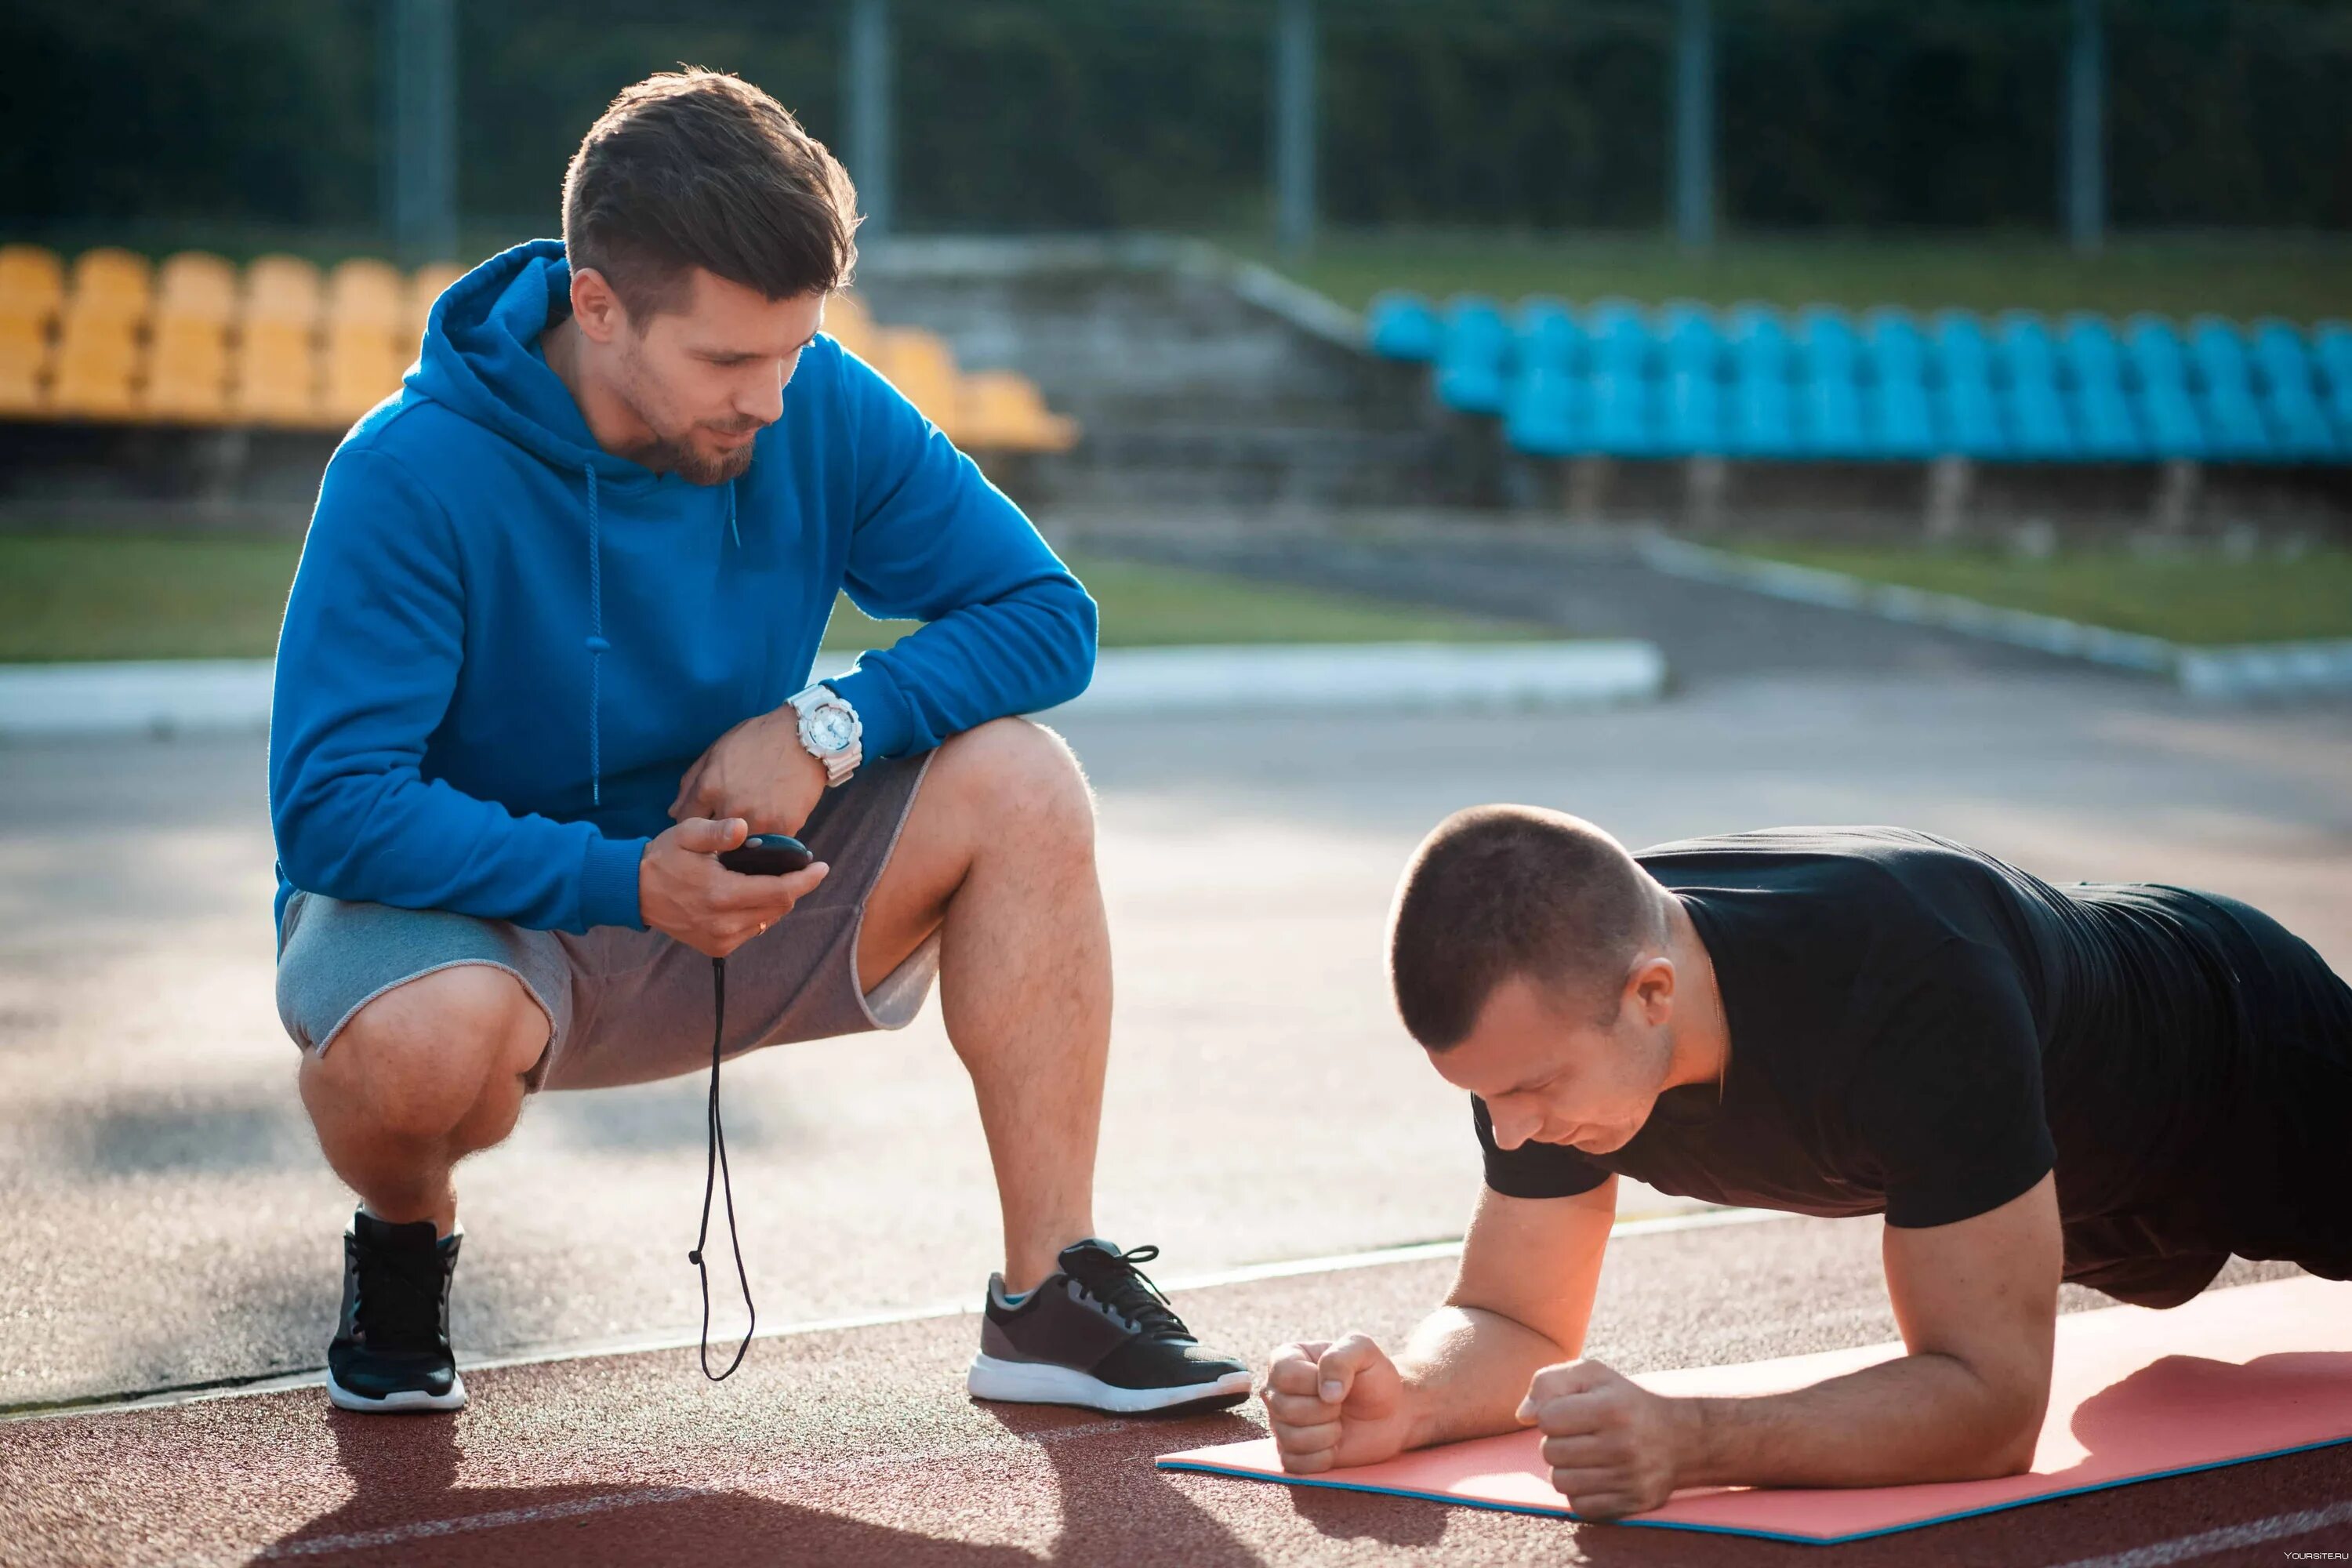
x=2280 y=1182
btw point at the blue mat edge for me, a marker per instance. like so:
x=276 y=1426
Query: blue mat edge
x=1198 y=1467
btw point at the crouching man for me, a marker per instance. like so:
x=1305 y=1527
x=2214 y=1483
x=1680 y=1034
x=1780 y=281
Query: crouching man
x=2119 y=1085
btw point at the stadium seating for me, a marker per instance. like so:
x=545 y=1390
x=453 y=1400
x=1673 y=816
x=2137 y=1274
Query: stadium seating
x=279 y=345
x=1610 y=378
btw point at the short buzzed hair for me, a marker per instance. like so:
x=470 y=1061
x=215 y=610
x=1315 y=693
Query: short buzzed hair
x=697 y=168
x=1502 y=891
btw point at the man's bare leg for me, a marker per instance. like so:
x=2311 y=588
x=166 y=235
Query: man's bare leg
x=998 y=856
x=424 y=1075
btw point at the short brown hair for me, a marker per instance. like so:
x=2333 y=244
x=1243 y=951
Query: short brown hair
x=1499 y=891
x=697 y=168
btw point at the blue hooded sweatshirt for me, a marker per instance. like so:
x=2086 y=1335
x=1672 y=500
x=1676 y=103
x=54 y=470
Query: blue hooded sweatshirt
x=505 y=646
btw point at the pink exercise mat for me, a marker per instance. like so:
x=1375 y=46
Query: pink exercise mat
x=2236 y=1374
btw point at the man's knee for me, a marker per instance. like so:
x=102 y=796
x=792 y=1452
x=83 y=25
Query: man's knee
x=1020 y=777
x=416 y=1060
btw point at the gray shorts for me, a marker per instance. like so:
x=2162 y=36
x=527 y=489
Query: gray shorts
x=626 y=1006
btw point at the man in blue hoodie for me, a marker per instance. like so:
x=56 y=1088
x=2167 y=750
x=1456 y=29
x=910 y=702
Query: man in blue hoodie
x=548 y=655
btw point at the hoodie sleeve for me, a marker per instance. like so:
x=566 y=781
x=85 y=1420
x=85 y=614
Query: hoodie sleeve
x=1009 y=628
x=367 y=661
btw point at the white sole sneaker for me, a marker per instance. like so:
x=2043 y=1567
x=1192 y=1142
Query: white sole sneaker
x=342 y=1398
x=1041 y=1383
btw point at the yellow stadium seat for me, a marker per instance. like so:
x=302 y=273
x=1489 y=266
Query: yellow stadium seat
x=195 y=286
x=32 y=283
x=24 y=365
x=187 y=370
x=98 y=361
x=276 y=379
x=919 y=364
x=281 y=289
x=1004 y=412
x=850 y=324
x=364 y=362
x=428 y=285
x=362 y=291
x=113 y=282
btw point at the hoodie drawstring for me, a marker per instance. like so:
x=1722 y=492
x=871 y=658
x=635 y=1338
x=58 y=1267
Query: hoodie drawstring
x=731 y=532
x=597 y=646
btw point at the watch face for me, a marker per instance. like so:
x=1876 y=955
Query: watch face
x=830 y=728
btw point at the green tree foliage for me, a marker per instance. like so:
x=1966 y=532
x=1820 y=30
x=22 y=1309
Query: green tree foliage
x=1083 y=114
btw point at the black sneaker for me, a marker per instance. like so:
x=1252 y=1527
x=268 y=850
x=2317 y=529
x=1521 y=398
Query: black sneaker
x=392 y=1349
x=1098 y=1333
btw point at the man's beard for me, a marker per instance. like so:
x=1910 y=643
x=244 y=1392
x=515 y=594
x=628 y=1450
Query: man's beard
x=696 y=467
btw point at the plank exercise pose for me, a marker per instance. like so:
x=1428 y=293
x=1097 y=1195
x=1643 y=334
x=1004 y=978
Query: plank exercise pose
x=548 y=655
x=2120 y=1085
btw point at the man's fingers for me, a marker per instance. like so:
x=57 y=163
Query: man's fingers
x=705 y=837
x=1292 y=1370
x=1300 y=1441
x=1575 y=1415
x=1584 y=1451
x=1306 y=1464
x=1568 y=1377
x=1338 y=1368
x=1299 y=1409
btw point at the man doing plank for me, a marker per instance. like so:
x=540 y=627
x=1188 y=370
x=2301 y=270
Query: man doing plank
x=2119 y=1085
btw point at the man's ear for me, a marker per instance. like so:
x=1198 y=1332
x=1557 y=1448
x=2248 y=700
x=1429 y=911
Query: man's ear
x=595 y=307
x=1650 y=989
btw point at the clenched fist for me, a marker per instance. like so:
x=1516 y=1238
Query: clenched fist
x=1334 y=1403
x=1613 y=1446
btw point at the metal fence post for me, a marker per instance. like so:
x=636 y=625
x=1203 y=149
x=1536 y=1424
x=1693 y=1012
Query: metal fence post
x=420 y=129
x=1293 y=123
x=2086 y=174
x=865 y=97
x=1693 y=110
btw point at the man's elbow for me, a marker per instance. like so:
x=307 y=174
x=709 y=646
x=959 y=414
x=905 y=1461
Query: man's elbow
x=1079 y=632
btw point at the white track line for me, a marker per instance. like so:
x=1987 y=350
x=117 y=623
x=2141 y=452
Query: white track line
x=2278 y=1527
x=1703 y=1219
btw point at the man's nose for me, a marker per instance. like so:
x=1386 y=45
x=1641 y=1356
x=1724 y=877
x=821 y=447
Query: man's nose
x=1512 y=1128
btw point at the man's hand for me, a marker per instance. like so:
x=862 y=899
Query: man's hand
x=1334 y=1403
x=1613 y=1446
x=757 y=771
x=682 y=889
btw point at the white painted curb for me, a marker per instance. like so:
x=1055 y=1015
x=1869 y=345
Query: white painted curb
x=159 y=696
x=1352 y=678
x=192 y=696
x=2239 y=673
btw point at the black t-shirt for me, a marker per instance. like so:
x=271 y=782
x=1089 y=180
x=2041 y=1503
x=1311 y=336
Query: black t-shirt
x=1920 y=1030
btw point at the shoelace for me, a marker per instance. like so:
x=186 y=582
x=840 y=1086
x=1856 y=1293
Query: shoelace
x=715 y=1172
x=1113 y=1278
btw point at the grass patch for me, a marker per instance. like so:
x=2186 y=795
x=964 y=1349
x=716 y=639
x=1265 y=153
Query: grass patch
x=79 y=598
x=2203 y=597
x=2301 y=279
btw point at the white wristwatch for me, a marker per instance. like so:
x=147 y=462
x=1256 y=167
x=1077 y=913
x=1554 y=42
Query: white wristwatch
x=830 y=730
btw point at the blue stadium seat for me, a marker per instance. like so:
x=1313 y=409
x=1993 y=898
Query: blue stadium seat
x=2331 y=350
x=1830 y=384
x=1688 y=341
x=1401 y=325
x=1473 y=364
x=2026 y=379
x=1690 y=414
x=1541 y=417
x=2224 y=381
x=2287 y=391
x=2159 y=365
x=1621 y=413
x=2091 y=371
x=1897 y=416
x=1620 y=336
x=1970 y=415
x=1763 y=402
x=1549 y=335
